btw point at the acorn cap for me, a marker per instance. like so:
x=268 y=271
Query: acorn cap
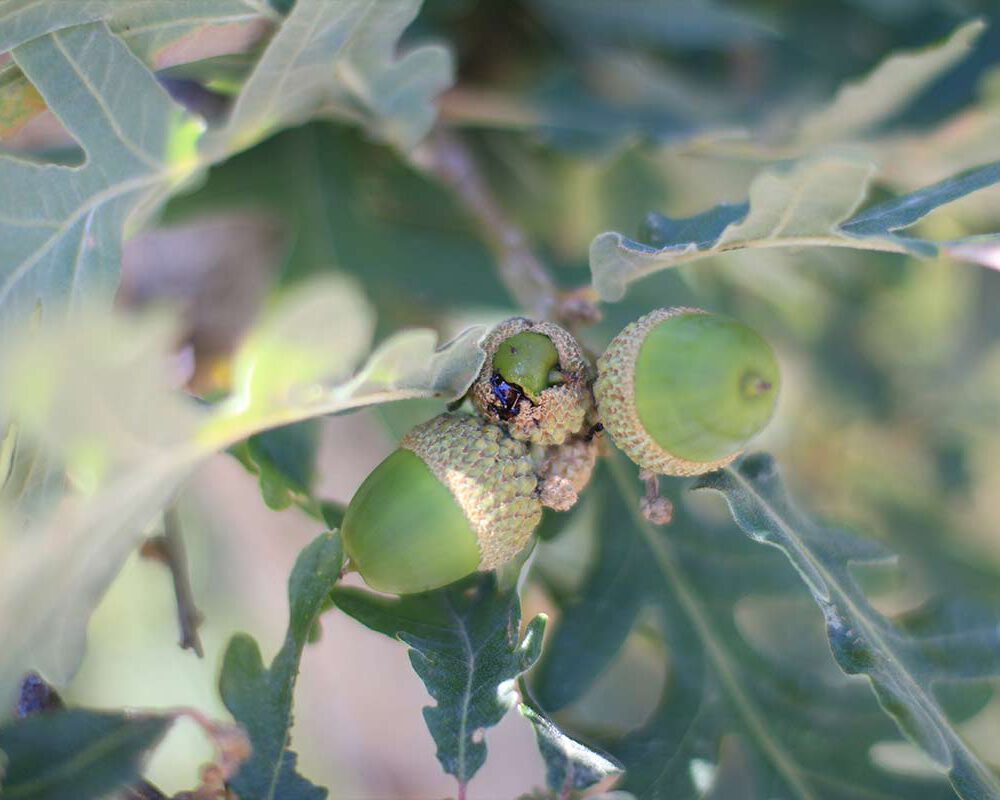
x=534 y=381
x=457 y=496
x=681 y=391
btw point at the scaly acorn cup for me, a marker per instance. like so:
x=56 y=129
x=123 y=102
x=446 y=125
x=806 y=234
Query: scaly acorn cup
x=459 y=495
x=535 y=381
x=681 y=391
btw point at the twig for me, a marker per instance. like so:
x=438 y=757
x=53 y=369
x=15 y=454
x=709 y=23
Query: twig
x=169 y=548
x=445 y=156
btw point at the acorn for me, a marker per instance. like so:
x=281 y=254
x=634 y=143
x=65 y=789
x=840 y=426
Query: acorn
x=535 y=381
x=681 y=391
x=459 y=495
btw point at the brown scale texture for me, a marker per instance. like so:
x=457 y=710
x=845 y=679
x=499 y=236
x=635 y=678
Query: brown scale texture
x=566 y=471
x=490 y=475
x=561 y=410
x=614 y=392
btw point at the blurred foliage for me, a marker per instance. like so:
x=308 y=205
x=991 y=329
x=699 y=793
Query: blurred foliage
x=76 y=754
x=691 y=654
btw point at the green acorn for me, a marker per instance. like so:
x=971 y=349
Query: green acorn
x=535 y=382
x=458 y=496
x=681 y=391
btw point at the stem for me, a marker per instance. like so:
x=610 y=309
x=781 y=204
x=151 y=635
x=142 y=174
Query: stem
x=169 y=548
x=462 y=790
x=446 y=157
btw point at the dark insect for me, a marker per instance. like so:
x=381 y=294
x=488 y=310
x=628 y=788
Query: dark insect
x=509 y=396
x=36 y=696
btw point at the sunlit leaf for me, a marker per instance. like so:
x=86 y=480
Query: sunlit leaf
x=95 y=394
x=809 y=205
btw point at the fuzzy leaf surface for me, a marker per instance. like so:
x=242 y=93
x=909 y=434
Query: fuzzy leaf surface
x=261 y=698
x=465 y=646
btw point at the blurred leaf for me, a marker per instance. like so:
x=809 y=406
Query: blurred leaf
x=261 y=699
x=903 y=666
x=669 y=24
x=806 y=730
x=465 y=645
x=149 y=29
x=569 y=765
x=351 y=205
x=75 y=755
x=161 y=21
x=341 y=55
x=811 y=204
x=860 y=106
x=93 y=393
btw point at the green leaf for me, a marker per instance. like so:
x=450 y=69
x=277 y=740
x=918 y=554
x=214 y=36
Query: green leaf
x=350 y=204
x=812 y=204
x=104 y=408
x=148 y=28
x=61 y=227
x=744 y=664
x=284 y=461
x=861 y=105
x=465 y=646
x=673 y=25
x=341 y=57
x=76 y=754
x=261 y=699
x=569 y=765
x=903 y=666
x=148 y=25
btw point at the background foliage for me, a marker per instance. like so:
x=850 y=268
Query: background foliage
x=324 y=190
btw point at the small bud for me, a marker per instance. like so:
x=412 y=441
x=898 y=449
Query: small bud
x=565 y=472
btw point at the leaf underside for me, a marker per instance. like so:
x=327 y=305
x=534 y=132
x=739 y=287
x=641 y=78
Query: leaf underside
x=814 y=203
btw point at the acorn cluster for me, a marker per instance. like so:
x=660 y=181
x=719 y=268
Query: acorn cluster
x=680 y=391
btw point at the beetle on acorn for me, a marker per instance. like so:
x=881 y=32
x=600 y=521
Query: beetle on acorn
x=680 y=391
